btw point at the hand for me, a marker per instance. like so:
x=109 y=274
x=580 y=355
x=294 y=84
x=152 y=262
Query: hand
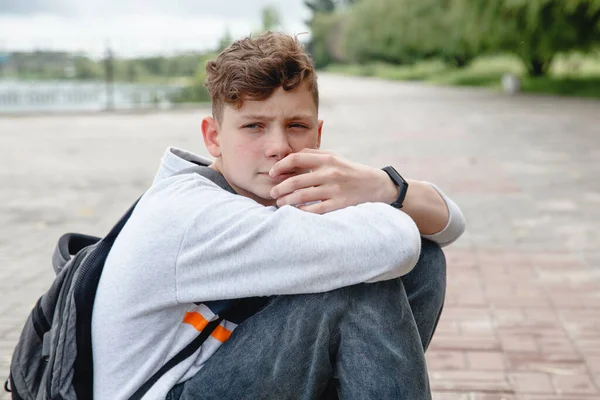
x=334 y=181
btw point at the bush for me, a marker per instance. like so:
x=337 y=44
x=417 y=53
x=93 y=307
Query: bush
x=407 y=31
x=328 y=32
x=536 y=31
x=195 y=91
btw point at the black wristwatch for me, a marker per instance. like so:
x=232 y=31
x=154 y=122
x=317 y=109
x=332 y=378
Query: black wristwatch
x=398 y=181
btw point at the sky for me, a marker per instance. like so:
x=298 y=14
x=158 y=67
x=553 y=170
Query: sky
x=135 y=27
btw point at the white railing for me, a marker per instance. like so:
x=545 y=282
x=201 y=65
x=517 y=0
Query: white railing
x=23 y=97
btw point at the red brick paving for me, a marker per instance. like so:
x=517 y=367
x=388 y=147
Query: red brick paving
x=526 y=328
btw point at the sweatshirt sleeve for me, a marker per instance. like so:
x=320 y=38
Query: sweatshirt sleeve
x=455 y=226
x=234 y=247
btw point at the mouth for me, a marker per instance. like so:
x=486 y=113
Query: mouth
x=278 y=178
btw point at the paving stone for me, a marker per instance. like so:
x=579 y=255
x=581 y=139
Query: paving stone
x=446 y=360
x=574 y=384
x=470 y=380
x=556 y=397
x=530 y=382
x=486 y=360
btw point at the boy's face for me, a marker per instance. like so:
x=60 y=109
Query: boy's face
x=249 y=141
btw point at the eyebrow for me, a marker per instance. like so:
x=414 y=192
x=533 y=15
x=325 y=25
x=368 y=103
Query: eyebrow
x=267 y=118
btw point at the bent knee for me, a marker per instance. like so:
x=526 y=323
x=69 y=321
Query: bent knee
x=433 y=256
x=429 y=275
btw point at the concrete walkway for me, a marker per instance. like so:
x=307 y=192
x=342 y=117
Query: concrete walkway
x=522 y=317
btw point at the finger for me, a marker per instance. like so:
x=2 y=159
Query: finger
x=320 y=208
x=317 y=151
x=296 y=183
x=299 y=161
x=303 y=196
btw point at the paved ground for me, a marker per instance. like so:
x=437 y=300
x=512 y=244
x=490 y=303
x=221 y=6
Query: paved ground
x=522 y=319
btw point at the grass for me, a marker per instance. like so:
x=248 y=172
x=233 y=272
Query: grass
x=573 y=75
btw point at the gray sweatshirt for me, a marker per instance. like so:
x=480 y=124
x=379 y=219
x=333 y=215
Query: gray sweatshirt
x=189 y=241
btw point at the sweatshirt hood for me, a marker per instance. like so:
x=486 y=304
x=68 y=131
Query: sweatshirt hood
x=175 y=160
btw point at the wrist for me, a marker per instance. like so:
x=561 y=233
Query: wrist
x=400 y=183
x=415 y=191
x=389 y=191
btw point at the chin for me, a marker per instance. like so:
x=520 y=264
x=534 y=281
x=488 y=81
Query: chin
x=265 y=196
x=262 y=195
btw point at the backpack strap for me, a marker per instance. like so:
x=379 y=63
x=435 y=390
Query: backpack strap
x=191 y=348
x=70 y=244
x=183 y=354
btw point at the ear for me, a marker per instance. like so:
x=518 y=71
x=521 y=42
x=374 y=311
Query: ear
x=210 y=133
x=319 y=131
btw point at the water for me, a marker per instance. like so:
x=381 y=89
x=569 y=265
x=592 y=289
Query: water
x=35 y=96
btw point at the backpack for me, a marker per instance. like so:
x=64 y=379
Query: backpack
x=53 y=357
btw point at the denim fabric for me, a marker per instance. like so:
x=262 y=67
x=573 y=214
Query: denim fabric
x=426 y=289
x=359 y=342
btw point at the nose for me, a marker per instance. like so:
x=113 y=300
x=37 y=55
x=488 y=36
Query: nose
x=278 y=145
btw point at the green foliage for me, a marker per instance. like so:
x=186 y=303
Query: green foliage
x=157 y=69
x=328 y=32
x=195 y=91
x=320 y=6
x=327 y=6
x=225 y=41
x=39 y=65
x=573 y=75
x=133 y=72
x=405 y=31
x=454 y=35
x=270 y=18
x=327 y=24
x=456 y=31
x=189 y=68
x=415 y=72
x=382 y=30
x=86 y=69
x=158 y=66
x=583 y=86
x=537 y=30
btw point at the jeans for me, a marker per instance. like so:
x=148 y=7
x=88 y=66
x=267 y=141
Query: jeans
x=365 y=341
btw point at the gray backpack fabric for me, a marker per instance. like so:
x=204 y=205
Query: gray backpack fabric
x=53 y=357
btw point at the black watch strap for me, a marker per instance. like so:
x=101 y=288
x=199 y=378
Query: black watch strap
x=398 y=181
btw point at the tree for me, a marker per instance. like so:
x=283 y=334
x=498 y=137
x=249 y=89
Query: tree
x=225 y=41
x=196 y=90
x=327 y=24
x=404 y=31
x=86 y=69
x=132 y=73
x=326 y=6
x=452 y=31
x=156 y=66
x=319 y=6
x=537 y=30
x=270 y=18
x=328 y=31
x=393 y=31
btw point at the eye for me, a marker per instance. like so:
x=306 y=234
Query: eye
x=251 y=126
x=301 y=126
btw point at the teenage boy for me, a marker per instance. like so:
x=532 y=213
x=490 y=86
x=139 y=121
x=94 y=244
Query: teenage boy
x=321 y=250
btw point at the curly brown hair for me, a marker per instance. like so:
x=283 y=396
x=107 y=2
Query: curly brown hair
x=252 y=68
